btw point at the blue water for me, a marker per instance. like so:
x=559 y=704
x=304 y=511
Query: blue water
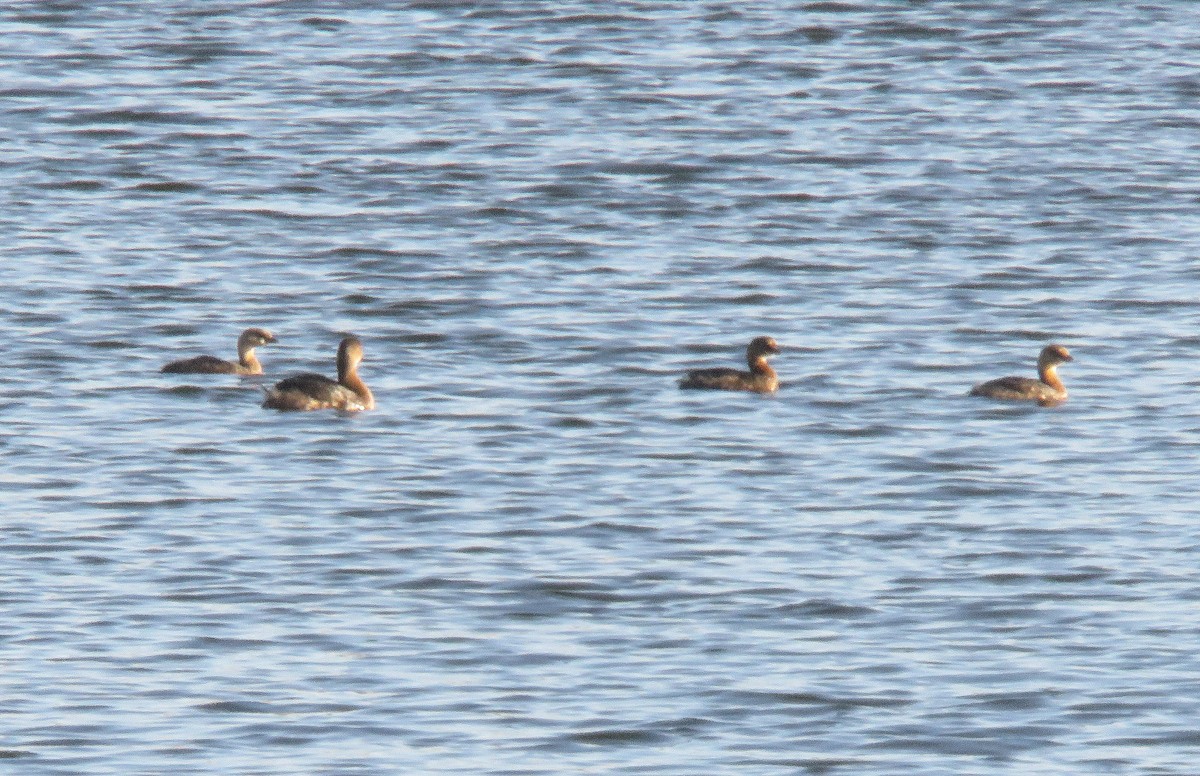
x=538 y=556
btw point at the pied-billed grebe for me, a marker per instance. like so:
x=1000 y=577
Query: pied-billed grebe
x=761 y=377
x=247 y=363
x=318 y=392
x=1048 y=390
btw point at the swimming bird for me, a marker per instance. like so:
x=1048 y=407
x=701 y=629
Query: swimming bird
x=318 y=392
x=247 y=363
x=1048 y=390
x=761 y=378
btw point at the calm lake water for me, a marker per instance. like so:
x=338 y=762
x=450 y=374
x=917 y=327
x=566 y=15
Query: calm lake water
x=538 y=556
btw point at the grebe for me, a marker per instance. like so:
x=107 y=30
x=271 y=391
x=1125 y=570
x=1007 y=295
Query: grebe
x=761 y=378
x=1047 y=391
x=247 y=363
x=317 y=392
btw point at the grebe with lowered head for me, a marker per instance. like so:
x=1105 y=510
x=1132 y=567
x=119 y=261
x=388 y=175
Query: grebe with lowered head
x=318 y=392
x=1048 y=390
x=761 y=378
x=247 y=363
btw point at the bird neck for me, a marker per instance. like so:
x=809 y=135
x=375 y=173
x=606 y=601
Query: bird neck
x=759 y=366
x=1048 y=374
x=247 y=359
x=348 y=376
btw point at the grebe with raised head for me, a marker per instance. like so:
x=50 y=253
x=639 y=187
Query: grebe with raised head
x=318 y=392
x=1048 y=390
x=761 y=378
x=247 y=363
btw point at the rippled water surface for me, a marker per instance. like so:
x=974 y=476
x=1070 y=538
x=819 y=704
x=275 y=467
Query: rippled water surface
x=538 y=556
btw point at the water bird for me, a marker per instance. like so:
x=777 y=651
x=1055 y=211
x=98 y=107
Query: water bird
x=247 y=363
x=761 y=378
x=318 y=392
x=1048 y=390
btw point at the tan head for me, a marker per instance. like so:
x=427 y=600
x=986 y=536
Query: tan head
x=760 y=347
x=252 y=338
x=350 y=353
x=1053 y=355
